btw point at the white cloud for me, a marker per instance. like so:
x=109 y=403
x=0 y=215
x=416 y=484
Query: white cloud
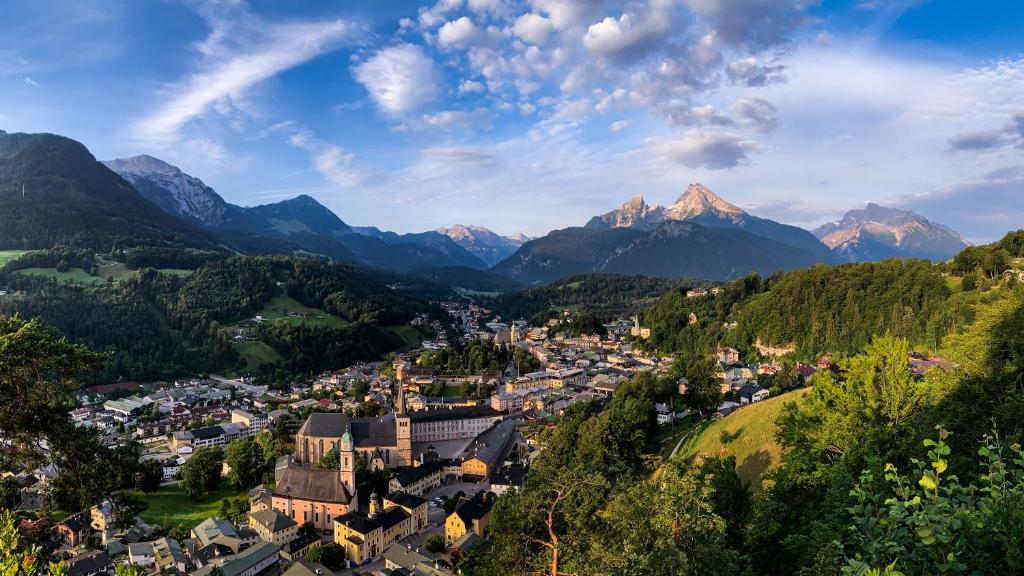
x=618 y=126
x=30 y=82
x=400 y=79
x=533 y=28
x=457 y=33
x=632 y=34
x=710 y=150
x=479 y=118
x=330 y=160
x=430 y=17
x=751 y=72
x=481 y=6
x=471 y=87
x=754 y=24
x=756 y=113
x=234 y=62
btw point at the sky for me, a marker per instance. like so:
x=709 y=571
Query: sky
x=532 y=115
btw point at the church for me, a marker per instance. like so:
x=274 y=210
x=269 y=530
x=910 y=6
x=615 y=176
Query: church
x=393 y=440
x=308 y=494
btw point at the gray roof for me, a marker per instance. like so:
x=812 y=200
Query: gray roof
x=492 y=444
x=213 y=528
x=312 y=484
x=239 y=563
x=365 y=431
x=303 y=568
x=406 y=557
x=272 y=520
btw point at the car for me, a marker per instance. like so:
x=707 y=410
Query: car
x=433 y=504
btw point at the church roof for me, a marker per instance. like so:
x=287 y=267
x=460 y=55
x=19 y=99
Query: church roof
x=312 y=484
x=452 y=413
x=365 y=432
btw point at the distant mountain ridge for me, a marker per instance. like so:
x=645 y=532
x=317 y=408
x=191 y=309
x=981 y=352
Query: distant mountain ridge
x=699 y=236
x=878 y=232
x=292 y=225
x=483 y=242
x=700 y=205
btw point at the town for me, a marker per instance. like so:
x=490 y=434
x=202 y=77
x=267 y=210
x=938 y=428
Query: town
x=385 y=467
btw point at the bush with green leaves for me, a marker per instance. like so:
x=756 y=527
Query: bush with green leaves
x=931 y=522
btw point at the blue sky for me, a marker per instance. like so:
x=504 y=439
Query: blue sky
x=536 y=114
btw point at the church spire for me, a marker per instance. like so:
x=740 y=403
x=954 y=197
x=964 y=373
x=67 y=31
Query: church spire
x=400 y=401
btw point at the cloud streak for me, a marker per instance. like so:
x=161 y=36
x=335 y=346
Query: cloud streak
x=230 y=71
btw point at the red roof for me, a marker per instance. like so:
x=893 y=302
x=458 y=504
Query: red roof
x=108 y=388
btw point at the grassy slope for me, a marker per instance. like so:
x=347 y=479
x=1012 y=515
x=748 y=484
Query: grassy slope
x=76 y=275
x=409 y=334
x=8 y=255
x=748 y=434
x=172 y=506
x=115 y=270
x=280 y=306
x=256 y=354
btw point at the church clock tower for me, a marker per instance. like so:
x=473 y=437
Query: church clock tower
x=347 y=462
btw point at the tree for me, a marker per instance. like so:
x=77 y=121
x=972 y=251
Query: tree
x=124 y=507
x=703 y=391
x=17 y=559
x=359 y=389
x=38 y=378
x=331 y=555
x=435 y=543
x=149 y=476
x=268 y=448
x=10 y=493
x=246 y=461
x=201 y=473
x=329 y=461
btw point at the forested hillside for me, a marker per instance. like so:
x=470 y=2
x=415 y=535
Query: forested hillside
x=157 y=325
x=817 y=310
x=606 y=296
x=53 y=191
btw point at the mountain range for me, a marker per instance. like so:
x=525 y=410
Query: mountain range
x=699 y=236
x=304 y=223
x=53 y=191
x=877 y=232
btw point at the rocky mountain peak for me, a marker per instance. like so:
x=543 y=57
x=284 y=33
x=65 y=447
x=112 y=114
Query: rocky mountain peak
x=699 y=199
x=142 y=164
x=877 y=231
x=634 y=213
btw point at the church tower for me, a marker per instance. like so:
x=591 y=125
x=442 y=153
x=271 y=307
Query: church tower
x=400 y=398
x=347 y=462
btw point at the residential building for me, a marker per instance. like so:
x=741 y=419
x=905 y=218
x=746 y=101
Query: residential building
x=89 y=564
x=273 y=526
x=249 y=562
x=74 y=529
x=471 y=514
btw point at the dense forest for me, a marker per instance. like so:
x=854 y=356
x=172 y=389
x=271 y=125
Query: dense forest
x=606 y=296
x=154 y=325
x=818 y=310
